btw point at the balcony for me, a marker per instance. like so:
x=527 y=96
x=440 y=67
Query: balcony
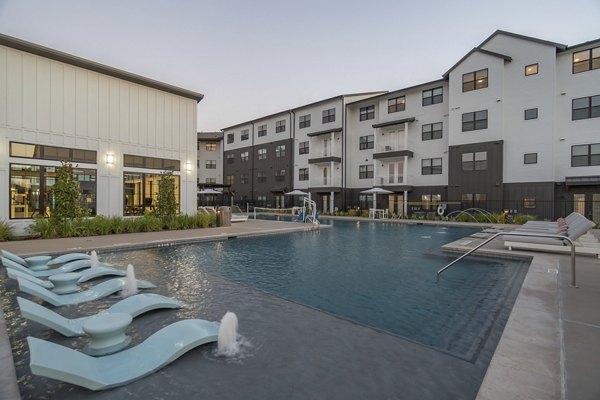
x=391 y=181
x=325 y=160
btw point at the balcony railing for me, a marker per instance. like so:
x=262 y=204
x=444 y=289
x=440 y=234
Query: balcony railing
x=388 y=180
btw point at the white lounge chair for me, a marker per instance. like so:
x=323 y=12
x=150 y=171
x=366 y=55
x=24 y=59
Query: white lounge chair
x=85 y=276
x=576 y=229
x=100 y=290
x=134 y=306
x=98 y=373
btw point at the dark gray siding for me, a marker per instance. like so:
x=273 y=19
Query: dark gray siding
x=542 y=192
x=488 y=181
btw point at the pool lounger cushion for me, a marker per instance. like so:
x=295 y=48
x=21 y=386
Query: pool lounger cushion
x=134 y=306
x=65 y=258
x=85 y=276
x=100 y=290
x=68 y=267
x=98 y=373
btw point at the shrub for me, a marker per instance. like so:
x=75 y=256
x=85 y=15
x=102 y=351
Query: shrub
x=166 y=204
x=5 y=231
x=44 y=227
x=66 y=193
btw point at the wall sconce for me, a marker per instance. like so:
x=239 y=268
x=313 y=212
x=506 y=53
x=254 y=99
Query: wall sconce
x=110 y=158
x=188 y=167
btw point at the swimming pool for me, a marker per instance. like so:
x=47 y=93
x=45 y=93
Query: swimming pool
x=382 y=275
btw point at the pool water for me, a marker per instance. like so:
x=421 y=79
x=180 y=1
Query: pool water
x=382 y=275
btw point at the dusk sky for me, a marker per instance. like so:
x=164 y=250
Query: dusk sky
x=253 y=58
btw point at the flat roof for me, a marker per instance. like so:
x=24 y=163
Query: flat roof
x=70 y=59
x=210 y=135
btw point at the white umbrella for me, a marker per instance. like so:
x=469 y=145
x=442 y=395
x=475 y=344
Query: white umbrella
x=209 y=191
x=375 y=191
x=296 y=192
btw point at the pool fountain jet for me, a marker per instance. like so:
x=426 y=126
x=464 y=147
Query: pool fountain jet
x=131 y=287
x=94 y=259
x=227 y=343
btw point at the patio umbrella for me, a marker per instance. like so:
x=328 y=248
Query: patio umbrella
x=296 y=192
x=209 y=191
x=375 y=191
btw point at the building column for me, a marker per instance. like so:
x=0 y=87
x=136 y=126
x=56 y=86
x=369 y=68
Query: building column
x=405 y=201
x=331 y=208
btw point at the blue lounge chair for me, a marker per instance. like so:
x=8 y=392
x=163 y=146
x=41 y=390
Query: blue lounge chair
x=134 y=306
x=100 y=290
x=68 y=267
x=98 y=373
x=28 y=262
x=85 y=276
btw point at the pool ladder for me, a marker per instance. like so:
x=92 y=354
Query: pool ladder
x=542 y=235
x=312 y=217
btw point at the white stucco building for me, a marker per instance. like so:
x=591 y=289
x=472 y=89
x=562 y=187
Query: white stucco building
x=120 y=130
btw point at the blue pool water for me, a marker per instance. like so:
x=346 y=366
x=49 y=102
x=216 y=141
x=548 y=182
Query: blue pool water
x=382 y=275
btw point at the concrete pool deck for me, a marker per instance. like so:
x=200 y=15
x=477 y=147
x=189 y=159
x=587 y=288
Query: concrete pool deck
x=548 y=349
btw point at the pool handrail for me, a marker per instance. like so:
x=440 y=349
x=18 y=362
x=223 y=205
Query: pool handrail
x=542 y=235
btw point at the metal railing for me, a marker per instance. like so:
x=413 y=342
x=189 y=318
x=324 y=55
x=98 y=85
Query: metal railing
x=542 y=235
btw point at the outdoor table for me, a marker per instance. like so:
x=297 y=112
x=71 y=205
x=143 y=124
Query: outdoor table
x=65 y=283
x=38 y=263
x=107 y=333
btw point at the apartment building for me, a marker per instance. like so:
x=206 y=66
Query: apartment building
x=300 y=148
x=118 y=129
x=513 y=125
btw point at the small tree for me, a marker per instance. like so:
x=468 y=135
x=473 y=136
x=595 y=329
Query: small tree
x=66 y=192
x=166 y=204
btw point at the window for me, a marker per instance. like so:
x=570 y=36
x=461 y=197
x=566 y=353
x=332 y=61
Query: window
x=262 y=154
x=529 y=202
x=531 y=69
x=262 y=200
x=477 y=200
x=474 y=161
x=230 y=138
x=42 y=152
x=140 y=192
x=586 y=107
x=303 y=148
x=329 y=115
x=530 y=158
x=210 y=146
x=262 y=130
x=31 y=190
x=365 y=172
x=244 y=156
x=433 y=96
x=366 y=142
x=430 y=201
x=531 y=113
x=212 y=164
x=210 y=180
x=280 y=150
x=304 y=121
x=245 y=134
x=396 y=104
x=280 y=175
x=230 y=179
x=432 y=131
x=303 y=174
x=586 y=60
x=280 y=126
x=585 y=155
x=431 y=166
x=244 y=179
x=261 y=177
x=475 y=80
x=474 y=120
x=367 y=113
x=150 y=162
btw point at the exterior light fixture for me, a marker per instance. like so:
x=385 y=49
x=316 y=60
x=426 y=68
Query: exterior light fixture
x=188 y=167
x=110 y=158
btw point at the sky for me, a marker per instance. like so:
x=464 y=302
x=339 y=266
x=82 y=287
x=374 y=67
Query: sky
x=252 y=58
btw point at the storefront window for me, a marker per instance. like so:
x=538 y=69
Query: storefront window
x=31 y=190
x=140 y=192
